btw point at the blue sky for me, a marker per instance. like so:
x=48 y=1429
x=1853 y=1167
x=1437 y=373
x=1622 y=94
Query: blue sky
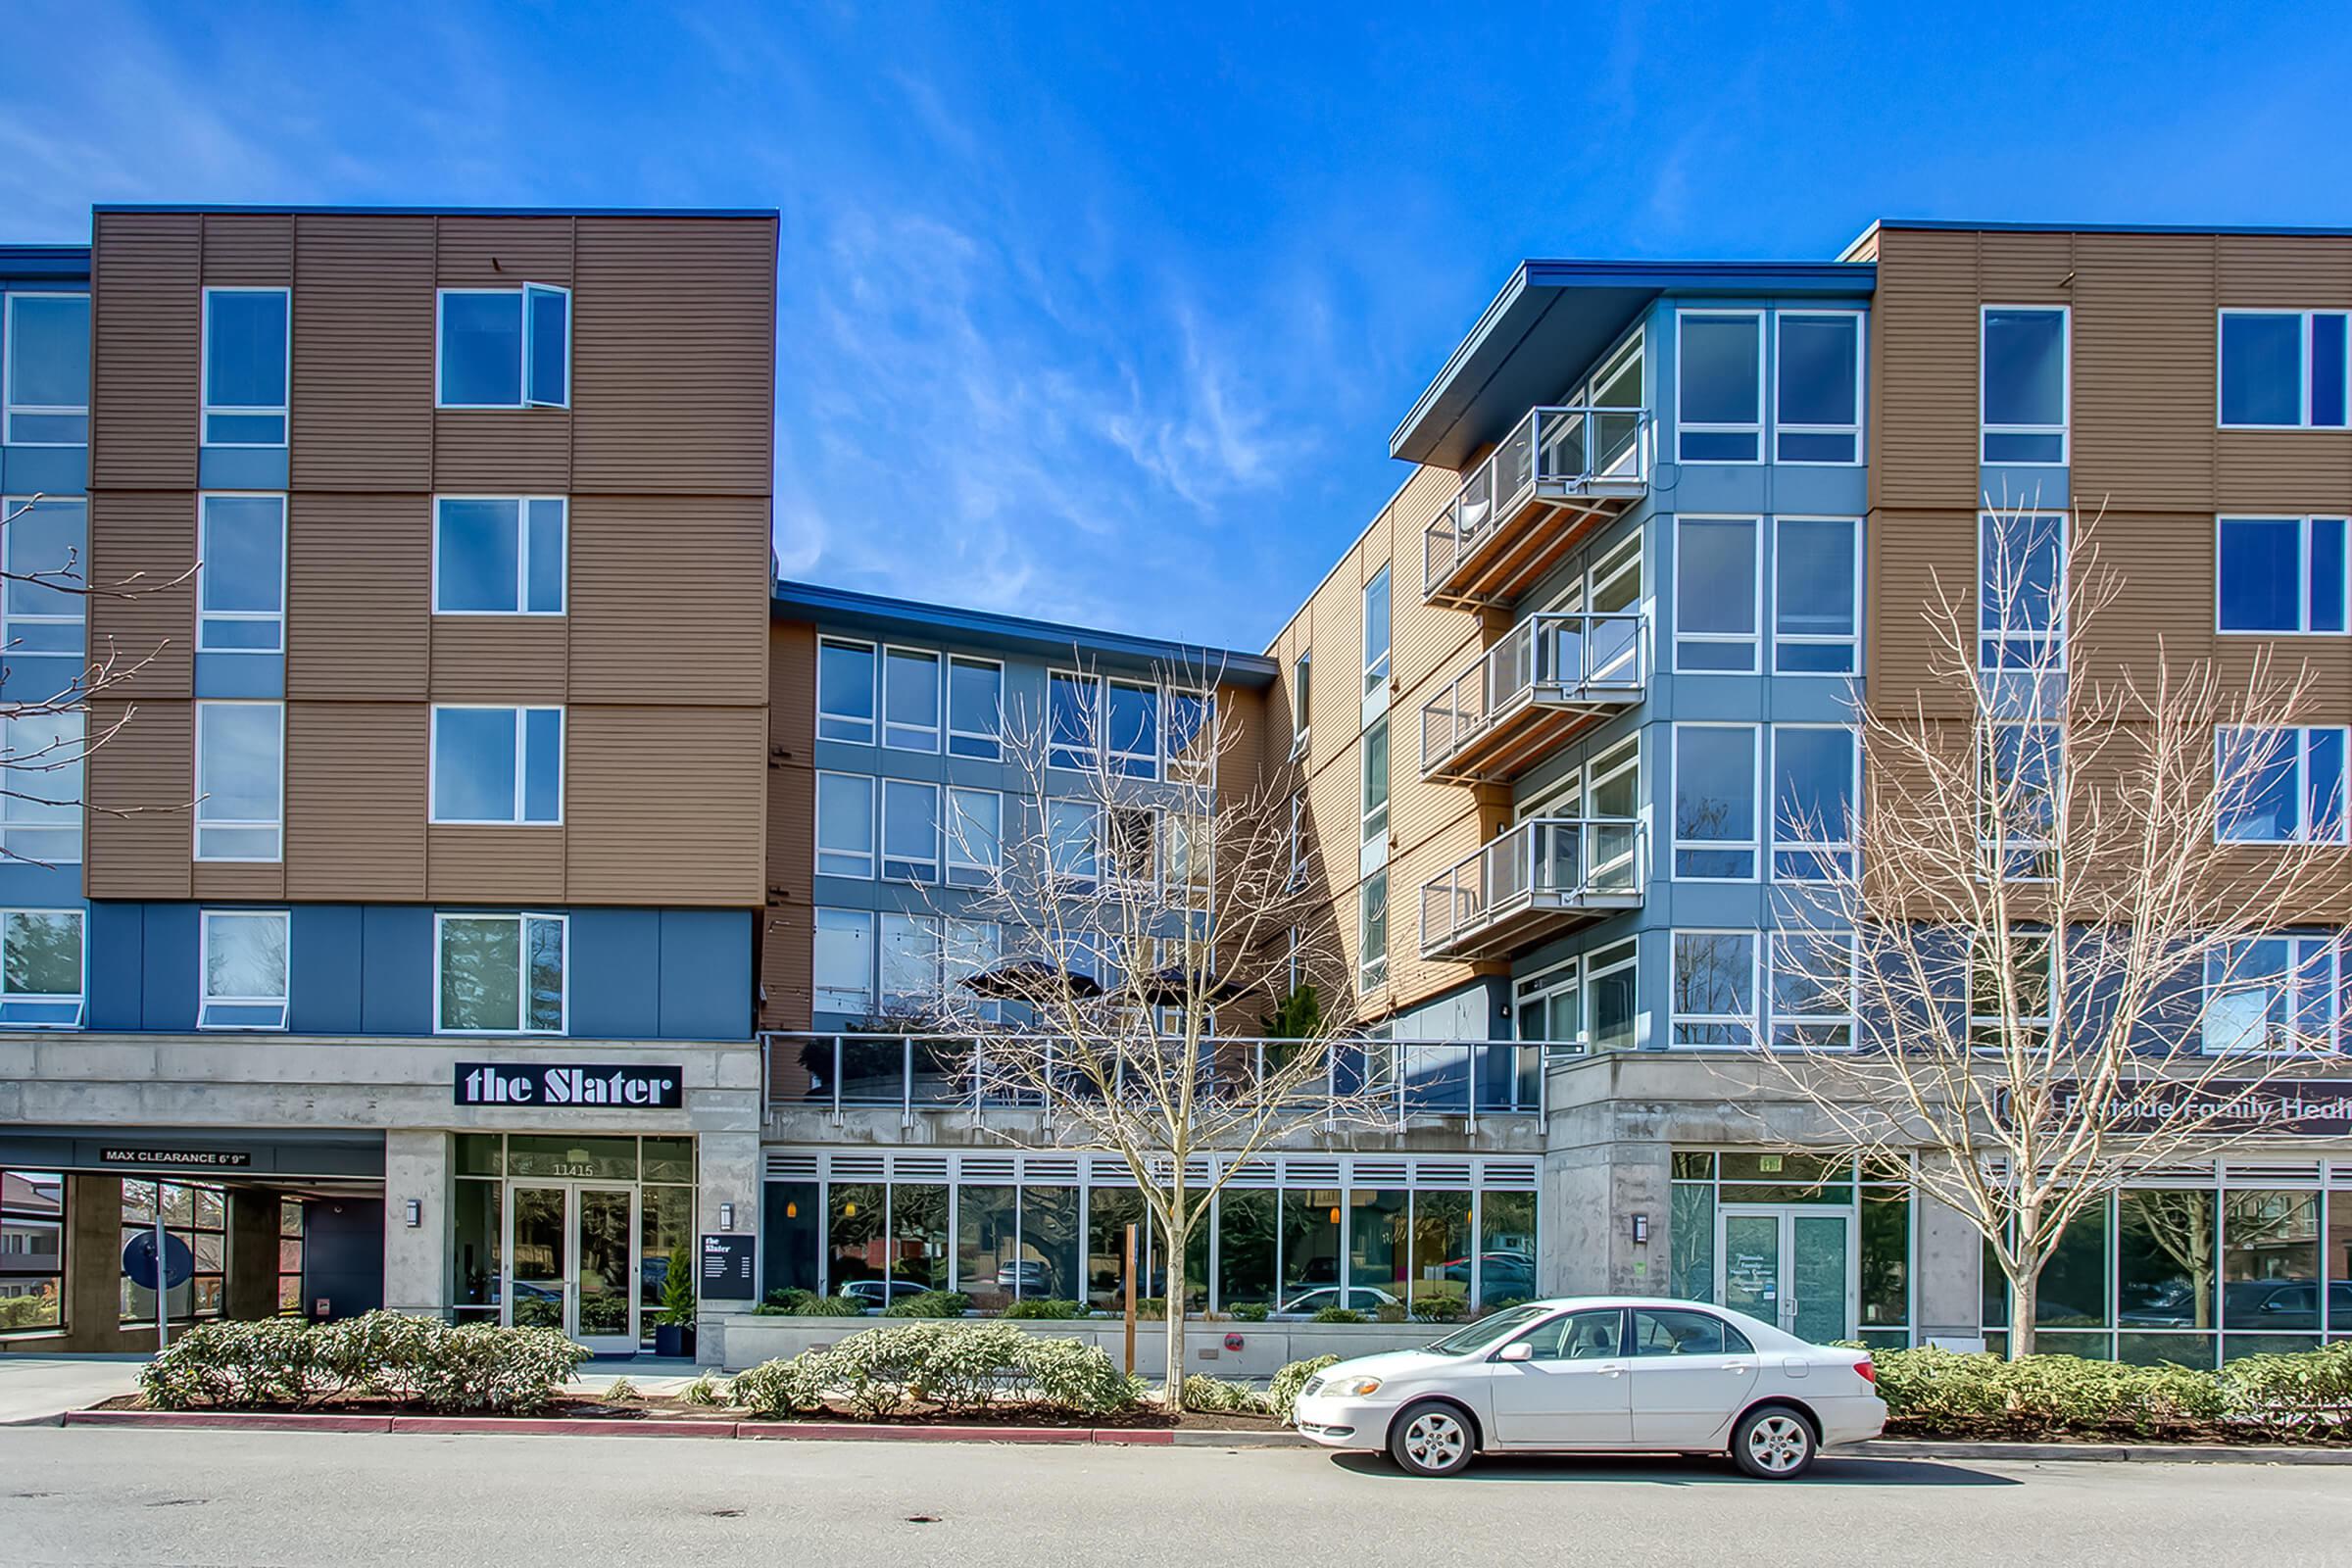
x=1105 y=313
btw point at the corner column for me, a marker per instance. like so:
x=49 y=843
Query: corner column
x=417 y=1258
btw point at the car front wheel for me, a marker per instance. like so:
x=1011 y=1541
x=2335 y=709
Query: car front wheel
x=1773 y=1443
x=1433 y=1439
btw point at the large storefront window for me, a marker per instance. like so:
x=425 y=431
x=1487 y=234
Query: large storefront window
x=1817 y=1246
x=198 y=1215
x=33 y=1251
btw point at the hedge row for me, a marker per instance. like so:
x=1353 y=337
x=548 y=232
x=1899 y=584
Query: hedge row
x=2306 y=1394
x=285 y=1363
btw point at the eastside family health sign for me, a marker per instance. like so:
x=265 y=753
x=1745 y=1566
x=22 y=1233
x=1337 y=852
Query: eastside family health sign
x=632 y=1088
x=2282 y=1107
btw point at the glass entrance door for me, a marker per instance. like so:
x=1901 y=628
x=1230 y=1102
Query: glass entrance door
x=572 y=1251
x=539 y=1254
x=1791 y=1265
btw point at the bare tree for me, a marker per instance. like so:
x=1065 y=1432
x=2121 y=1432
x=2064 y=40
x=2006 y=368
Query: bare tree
x=1149 y=889
x=2061 y=944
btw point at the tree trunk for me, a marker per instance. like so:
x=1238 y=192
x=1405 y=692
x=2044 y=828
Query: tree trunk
x=1174 y=1370
x=2023 y=1299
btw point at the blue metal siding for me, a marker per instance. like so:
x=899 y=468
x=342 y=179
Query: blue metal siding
x=614 y=992
x=395 y=971
x=167 y=966
x=705 y=974
x=243 y=469
x=114 y=958
x=326 y=966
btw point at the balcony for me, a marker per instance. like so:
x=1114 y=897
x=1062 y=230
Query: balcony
x=1555 y=674
x=1540 y=878
x=1560 y=473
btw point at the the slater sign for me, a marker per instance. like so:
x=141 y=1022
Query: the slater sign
x=564 y=1087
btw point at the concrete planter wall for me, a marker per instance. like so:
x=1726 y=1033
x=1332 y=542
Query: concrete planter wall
x=745 y=1341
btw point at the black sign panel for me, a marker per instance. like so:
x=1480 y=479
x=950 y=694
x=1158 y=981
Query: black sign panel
x=726 y=1272
x=2280 y=1108
x=177 y=1158
x=563 y=1088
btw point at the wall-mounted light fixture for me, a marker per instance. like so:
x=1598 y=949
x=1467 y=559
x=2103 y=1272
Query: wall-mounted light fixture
x=1641 y=1230
x=727 y=1216
x=791 y=1210
x=415 y=1210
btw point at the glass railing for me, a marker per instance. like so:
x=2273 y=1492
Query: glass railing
x=1567 y=451
x=1546 y=861
x=1558 y=656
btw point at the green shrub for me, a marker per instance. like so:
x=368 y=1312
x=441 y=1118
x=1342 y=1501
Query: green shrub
x=2308 y=1391
x=284 y=1362
x=1049 y=1307
x=623 y=1389
x=1282 y=1394
x=1220 y=1396
x=1250 y=1311
x=930 y=1303
x=1076 y=1376
x=1390 y=1312
x=959 y=1367
x=1153 y=1308
x=1930 y=1390
x=879 y=1370
x=1339 y=1314
x=784 y=1387
x=702 y=1390
x=677 y=1290
x=965 y=1364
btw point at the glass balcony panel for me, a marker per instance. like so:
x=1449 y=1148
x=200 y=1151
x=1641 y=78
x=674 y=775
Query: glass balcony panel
x=1557 y=659
x=1592 y=457
x=1546 y=866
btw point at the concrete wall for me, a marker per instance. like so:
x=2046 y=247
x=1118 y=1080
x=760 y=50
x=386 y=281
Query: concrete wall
x=742 y=1341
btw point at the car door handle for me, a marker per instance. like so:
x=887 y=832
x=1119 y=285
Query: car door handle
x=1735 y=1366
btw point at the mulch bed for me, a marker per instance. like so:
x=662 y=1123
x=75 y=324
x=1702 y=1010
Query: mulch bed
x=668 y=1408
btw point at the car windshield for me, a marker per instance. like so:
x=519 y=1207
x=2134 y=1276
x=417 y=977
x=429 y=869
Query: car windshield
x=1488 y=1330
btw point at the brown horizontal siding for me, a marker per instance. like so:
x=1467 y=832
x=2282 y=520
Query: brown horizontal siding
x=2144 y=346
x=477 y=251
x=1923 y=413
x=356 y=801
x=363 y=353
x=667 y=806
x=2294 y=473
x=499 y=659
x=142 y=787
x=668 y=599
x=146 y=269
x=673 y=356
x=142 y=607
x=254 y=250
x=503 y=865
x=1915 y=556
x=2282 y=272
x=226 y=882
x=503 y=451
x=358 y=593
x=787 y=951
x=786 y=967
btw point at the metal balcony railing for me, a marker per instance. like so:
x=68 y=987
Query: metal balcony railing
x=1527 y=882
x=1562 y=659
x=1567 y=455
x=913 y=1073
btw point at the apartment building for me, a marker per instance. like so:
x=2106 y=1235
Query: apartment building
x=445 y=777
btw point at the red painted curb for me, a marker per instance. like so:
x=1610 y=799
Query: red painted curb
x=857 y=1432
x=560 y=1427
x=231 y=1420
x=557 y=1427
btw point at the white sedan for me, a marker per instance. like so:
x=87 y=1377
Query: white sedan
x=1601 y=1374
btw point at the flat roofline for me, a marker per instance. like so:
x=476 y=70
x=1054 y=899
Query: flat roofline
x=362 y=209
x=817 y=602
x=45 y=261
x=2322 y=232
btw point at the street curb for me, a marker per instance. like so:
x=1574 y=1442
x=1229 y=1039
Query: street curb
x=444 y=1426
x=242 y=1420
x=749 y=1431
x=2091 y=1452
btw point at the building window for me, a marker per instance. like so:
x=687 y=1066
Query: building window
x=42 y=606
x=2284 y=370
x=1816 y=780
x=1375 y=803
x=1072 y=841
x=911 y=699
x=1817 y=389
x=1074 y=709
x=40 y=811
x=844 y=960
x=42 y=968
x=498 y=555
x=2281 y=994
x=844 y=691
x=505 y=348
x=975 y=837
x=240 y=781
x=1130 y=845
x=244 y=961
x=248 y=360
x=845 y=825
x=198 y=1215
x=1719 y=399
x=33 y=1253
x=1377 y=645
x=2022 y=383
x=1134 y=711
x=910 y=959
x=2033 y=988
x=1816 y=596
x=2280 y=786
x=970 y=948
x=500 y=974
x=289 y=1257
x=48 y=369
x=1716 y=571
x=2280 y=574
x=1714 y=988
x=1715 y=788
x=975 y=708
x=909 y=831
x=241 y=574
x=1372 y=932
x=1190 y=725
x=1812 y=990
x=498 y=765
x=2020 y=590
x=1302 y=701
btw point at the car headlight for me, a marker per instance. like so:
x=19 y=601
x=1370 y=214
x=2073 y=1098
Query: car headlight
x=1358 y=1387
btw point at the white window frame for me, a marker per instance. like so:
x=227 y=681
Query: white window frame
x=205 y=618
x=1108 y=857
x=2304 y=582
x=1090 y=841
x=38 y=764
x=2059 y=630
x=1861 y=320
x=1126 y=763
x=9 y=408
x=207 y=408
x=522 y=770
x=1836 y=849
x=2306 y=808
x=1760 y=803
x=1302 y=706
x=1298 y=876
x=821 y=995
x=925 y=925
x=1754 y=427
x=1749 y=1022
x=2064 y=428
x=1993 y=855
x=1851 y=641
x=1380 y=670
x=926 y=737
x=79 y=618
x=78 y=1001
x=1081 y=758
x=872 y=719
x=982 y=873
x=522 y=293
x=1776 y=944
x=1983 y=1024
x=523 y=971
x=2301 y=947
x=956 y=941
x=1372 y=968
x=873 y=853
x=522 y=560
x=204 y=1001
x=882 y=849
x=276 y=824
x=1753 y=639
x=993 y=737
x=1180 y=768
x=2221 y=322
x=1372 y=820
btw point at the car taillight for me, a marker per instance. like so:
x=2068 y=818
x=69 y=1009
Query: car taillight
x=1867 y=1372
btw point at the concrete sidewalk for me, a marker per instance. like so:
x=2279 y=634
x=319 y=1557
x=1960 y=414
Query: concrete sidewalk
x=36 y=1390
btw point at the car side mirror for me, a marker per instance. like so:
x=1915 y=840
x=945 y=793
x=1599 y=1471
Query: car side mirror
x=1516 y=1350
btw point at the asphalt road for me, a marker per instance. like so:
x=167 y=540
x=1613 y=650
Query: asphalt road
x=71 y=1495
